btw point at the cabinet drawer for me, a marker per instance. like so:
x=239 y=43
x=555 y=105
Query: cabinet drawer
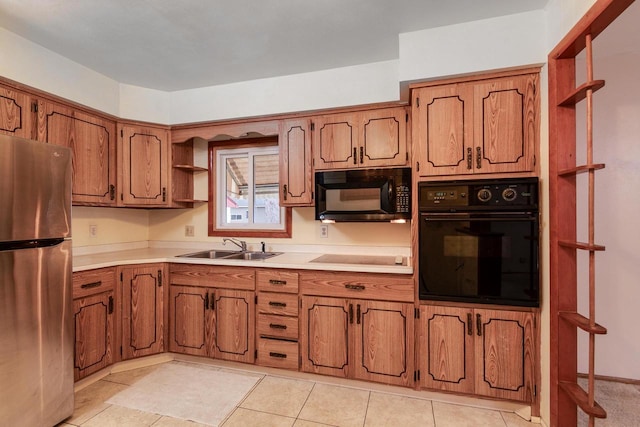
x=277 y=303
x=277 y=281
x=213 y=276
x=277 y=353
x=387 y=287
x=93 y=282
x=277 y=326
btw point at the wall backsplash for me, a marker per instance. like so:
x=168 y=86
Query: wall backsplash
x=113 y=225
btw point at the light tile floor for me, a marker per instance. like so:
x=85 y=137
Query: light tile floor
x=278 y=401
x=289 y=402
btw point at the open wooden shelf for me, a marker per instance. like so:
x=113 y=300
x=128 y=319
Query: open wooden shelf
x=581 y=93
x=580 y=397
x=582 y=322
x=190 y=201
x=190 y=168
x=581 y=169
x=581 y=245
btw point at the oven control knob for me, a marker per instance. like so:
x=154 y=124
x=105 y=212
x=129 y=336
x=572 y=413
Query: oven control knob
x=509 y=194
x=484 y=195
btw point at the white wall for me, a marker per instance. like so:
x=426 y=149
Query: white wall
x=617 y=223
x=359 y=84
x=471 y=47
x=33 y=65
x=114 y=225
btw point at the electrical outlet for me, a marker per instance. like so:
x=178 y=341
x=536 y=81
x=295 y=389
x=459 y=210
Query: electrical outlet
x=324 y=231
x=93 y=230
x=189 y=231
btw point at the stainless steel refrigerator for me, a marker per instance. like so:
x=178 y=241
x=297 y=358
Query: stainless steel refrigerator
x=36 y=320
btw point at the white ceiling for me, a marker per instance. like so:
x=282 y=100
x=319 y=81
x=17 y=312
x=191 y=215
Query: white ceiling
x=181 y=44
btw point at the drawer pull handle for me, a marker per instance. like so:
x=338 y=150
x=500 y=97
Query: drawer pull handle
x=91 y=285
x=277 y=326
x=277 y=282
x=355 y=287
x=279 y=355
x=277 y=304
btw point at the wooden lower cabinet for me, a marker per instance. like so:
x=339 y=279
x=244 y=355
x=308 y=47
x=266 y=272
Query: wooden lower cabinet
x=212 y=322
x=143 y=314
x=369 y=340
x=480 y=351
x=94 y=318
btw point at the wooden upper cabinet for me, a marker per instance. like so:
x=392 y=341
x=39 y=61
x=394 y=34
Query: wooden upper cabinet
x=506 y=124
x=93 y=146
x=484 y=126
x=443 y=128
x=383 y=138
x=145 y=166
x=373 y=138
x=16 y=118
x=296 y=177
x=335 y=142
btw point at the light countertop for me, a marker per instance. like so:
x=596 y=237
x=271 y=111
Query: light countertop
x=289 y=260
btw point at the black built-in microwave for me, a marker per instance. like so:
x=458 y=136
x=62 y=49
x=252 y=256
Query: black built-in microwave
x=363 y=195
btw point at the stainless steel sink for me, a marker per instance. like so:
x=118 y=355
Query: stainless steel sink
x=253 y=256
x=210 y=254
x=249 y=256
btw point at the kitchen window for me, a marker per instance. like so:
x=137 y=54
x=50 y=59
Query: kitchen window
x=245 y=183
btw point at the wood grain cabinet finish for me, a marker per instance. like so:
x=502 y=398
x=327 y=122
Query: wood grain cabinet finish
x=484 y=126
x=94 y=318
x=296 y=176
x=93 y=145
x=374 y=138
x=212 y=312
x=479 y=351
x=16 y=118
x=143 y=314
x=369 y=340
x=144 y=166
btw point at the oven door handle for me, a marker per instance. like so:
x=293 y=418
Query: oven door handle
x=467 y=217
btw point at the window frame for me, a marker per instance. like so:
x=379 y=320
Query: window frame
x=214 y=229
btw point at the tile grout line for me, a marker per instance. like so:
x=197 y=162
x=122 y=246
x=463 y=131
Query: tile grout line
x=366 y=411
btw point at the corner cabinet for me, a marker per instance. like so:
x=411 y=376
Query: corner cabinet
x=480 y=351
x=212 y=312
x=296 y=175
x=93 y=145
x=143 y=313
x=472 y=127
x=94 y=318
x=373 y=138
x=144 y=166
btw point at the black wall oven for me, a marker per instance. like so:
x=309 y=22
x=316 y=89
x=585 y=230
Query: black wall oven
x=479 y=241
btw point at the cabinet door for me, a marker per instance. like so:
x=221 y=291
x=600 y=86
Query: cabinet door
x=94 y=343
x=325 y=337
x=92 y=143
x=191 y=321
x=505 y=358
x=335 y=142
x=15 y=113
x=383 y=137
x=446 y=340
x=234 y=325
x=296 y=178
x=443 y=129
x=145 y=166
x=383 y=337
x=142 y=310
x=506 y=124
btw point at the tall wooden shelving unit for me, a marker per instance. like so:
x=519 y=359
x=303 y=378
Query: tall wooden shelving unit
x=566 y=322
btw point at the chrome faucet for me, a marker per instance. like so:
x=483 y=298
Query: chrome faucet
x=239 y=243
